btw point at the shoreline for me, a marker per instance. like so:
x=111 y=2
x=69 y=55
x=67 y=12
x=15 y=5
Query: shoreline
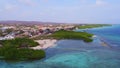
x=44 y=44
x=102 y=41
x=85 y=29
x=93 y=26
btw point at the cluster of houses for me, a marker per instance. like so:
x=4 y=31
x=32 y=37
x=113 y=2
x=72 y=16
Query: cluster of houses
x=5 y=34
x=7 y=37
x=30 y=31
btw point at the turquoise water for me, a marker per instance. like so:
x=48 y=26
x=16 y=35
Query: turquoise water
x=78 y=54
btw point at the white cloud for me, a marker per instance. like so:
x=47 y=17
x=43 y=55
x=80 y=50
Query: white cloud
x=83 y=1
x=9 y=7
x=27 y=2
x=25 y=14
x=100 y=3
x=45 y=0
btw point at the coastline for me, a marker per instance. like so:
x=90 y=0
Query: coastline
x=44 y=44
x=85 y=29
x=104 y=55
x=103 y=42
x=93 y=26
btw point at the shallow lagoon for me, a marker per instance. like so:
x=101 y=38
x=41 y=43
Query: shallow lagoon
x=77 y=54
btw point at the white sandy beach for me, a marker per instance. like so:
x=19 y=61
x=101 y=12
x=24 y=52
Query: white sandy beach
x=46 y=43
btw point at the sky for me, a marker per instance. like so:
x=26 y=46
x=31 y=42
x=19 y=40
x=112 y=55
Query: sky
x=62 y=11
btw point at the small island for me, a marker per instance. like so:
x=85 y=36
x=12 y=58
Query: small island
x=18 y=49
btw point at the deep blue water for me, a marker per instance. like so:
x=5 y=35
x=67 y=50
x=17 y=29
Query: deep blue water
x=78 y=54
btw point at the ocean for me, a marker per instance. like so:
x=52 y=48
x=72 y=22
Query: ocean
x=103 y=52
x=110 y=33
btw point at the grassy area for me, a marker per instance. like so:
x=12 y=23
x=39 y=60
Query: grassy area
x=62 y=34
x=17 y=49
x=92 y=26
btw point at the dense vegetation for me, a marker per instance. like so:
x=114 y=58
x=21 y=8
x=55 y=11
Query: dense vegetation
x=20 y=42
x=63 y=34
x=92 y=26
x=17 y=49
